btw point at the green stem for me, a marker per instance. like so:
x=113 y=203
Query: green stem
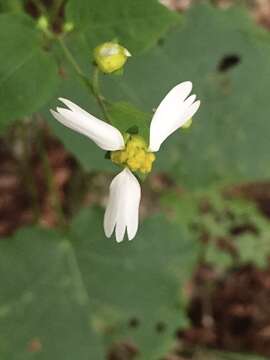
x=55 y=9
x=96 y=90
x=41 y=7
x=92 y=86
x=70 y=58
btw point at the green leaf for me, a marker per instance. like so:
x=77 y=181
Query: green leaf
x=11 y=6
x=44 y=310
x=234 y=230
x=28 y=75
x=125 y=116
x=222 y=143
x=143 y=279
x=137 y=25
x=59 y=291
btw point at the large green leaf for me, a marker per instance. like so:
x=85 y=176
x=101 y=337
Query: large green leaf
x=11 y=6
x=55 y=287
x=229 y=139
x=28 y=75
x=142 y=279
x=44 y=310
x=136 y=24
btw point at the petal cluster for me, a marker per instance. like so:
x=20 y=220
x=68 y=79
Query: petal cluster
x=173 y=111
x=122 y=212
x=106 y=136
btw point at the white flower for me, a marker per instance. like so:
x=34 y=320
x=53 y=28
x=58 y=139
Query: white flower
x=122 y=212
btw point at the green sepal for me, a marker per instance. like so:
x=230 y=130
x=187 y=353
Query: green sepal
x=119 y=72
x=107 y=155
x=133 y=130
x=140 y=176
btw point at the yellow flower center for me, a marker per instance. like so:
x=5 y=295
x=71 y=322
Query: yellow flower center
x=135 y=155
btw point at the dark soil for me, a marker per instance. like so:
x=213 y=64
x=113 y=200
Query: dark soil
x=231 y=313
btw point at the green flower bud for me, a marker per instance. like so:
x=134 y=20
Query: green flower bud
x=68 y=27
x=43 y=23
x=110 y=57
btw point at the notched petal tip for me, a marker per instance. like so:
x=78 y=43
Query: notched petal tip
x=53 y=112
x=60 y=109
x=120 y=238
x=132 y=236
x=122 y=211
x=174 y=110
x=106 y=136
x=187 y=83
x=107 y=230
x=184 y=88
x=69 y=104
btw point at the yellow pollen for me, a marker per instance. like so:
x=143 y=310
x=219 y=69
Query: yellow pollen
x=134 y=155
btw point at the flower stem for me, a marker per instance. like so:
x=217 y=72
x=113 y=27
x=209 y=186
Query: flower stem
x=41 y=7
x=70 y=58
x=96 y=90
x=55 y=8
x=92 y=86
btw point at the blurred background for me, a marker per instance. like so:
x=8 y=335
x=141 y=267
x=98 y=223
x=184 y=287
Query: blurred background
x=195 y=282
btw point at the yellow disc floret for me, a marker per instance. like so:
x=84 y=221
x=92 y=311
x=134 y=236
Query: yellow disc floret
x=135 y=155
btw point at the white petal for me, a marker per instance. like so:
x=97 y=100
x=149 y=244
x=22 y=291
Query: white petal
x=104 y=135
x=173 y=111
x=127 y=53
x=122 y=210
